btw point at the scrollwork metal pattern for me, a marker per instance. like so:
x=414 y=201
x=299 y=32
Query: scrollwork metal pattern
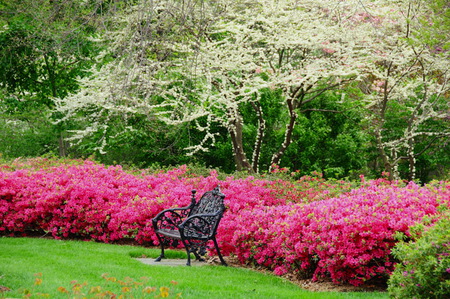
x=195 y=225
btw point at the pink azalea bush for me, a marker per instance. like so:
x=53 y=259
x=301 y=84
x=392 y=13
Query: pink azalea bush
x=88 y=201
x=348 y=238
x=306 y=227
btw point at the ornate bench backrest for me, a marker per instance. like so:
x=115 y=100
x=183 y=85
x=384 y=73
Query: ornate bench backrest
x=210 y=203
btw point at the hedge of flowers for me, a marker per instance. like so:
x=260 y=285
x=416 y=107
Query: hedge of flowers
x=306 y=227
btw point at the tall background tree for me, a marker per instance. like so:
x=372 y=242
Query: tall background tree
x=218 y=59
x=44 y=47
x=338 y=88
x=407 y=84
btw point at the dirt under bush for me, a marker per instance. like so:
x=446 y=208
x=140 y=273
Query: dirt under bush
x=323 y=285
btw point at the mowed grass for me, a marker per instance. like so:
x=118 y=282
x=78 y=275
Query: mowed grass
x=41 y=266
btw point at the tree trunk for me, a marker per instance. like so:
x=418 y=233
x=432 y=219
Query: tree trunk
x=387 y=165
x=411 y=159
x=235 y=130
x=62 y=145
x=259 y=137
x=287 y=135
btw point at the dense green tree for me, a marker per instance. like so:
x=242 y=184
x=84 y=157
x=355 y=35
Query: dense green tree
x=44 y=46
x=329 y=139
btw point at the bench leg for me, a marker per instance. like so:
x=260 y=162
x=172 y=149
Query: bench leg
x=188 y=263
x=159 y=258
x=161 y=243
x=188 y=251
x=218 y=252
x=198 y=257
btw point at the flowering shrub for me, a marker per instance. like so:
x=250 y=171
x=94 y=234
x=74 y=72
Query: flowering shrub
x=424 y=267
x=88 y=201
x=307 y=227
x=348 y=238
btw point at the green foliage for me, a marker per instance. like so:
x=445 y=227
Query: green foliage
x=25 y=130
x=434 y=164
x=328 y=139
x=44 y=47
x=23 y=139
x=431 y=149
x=139 y=142
x=424 y=267
x=435 y=27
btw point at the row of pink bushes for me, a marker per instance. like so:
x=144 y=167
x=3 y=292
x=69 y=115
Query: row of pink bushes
x=308 y=227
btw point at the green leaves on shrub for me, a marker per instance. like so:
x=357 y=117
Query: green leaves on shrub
x=423 y=270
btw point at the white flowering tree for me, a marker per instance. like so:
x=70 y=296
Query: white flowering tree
x=201 y=61
x=137 y=75
x=297 y=48
x=407 y=81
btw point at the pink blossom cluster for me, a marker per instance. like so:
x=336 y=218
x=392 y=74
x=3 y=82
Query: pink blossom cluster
x=348 y=238
x=310 y=226
x=88 y=200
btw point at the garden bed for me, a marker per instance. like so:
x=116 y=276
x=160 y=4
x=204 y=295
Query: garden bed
x=311 y=228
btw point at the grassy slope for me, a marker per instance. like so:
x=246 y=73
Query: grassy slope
x=61 y=262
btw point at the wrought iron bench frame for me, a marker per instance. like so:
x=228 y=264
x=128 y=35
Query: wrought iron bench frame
x=194 y=225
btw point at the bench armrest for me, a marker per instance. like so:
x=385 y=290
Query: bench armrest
x=170 y=218
x=200 y=226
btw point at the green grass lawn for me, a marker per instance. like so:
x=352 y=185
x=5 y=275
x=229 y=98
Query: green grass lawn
x=41 y=266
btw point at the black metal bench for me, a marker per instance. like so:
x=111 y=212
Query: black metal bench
x=194 y=225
